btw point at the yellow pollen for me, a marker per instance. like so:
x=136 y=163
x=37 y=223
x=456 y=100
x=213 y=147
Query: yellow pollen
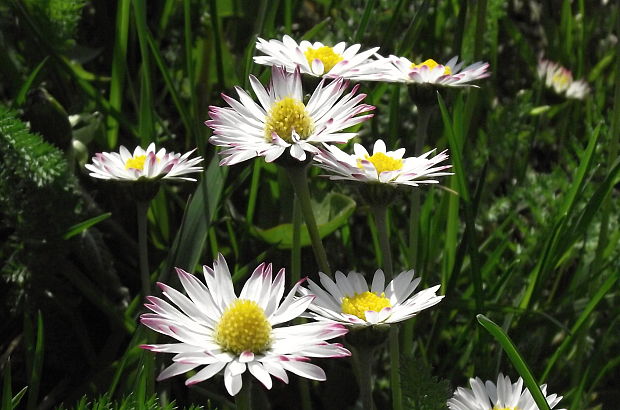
x=136 y=162
x=430 y=63
x=326 y=54
x=383 y=162
x=362 y=302
x=243 y=327
x=287 y=115
x=561 y=78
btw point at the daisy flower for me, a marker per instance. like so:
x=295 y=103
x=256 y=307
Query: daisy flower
x=504 y=396
x=560 y=80
x=388 y=167
x=283 y=120
x=315 y=59
x=349 y=300
x=223 y=332
x=452 y=74
x=143 y=165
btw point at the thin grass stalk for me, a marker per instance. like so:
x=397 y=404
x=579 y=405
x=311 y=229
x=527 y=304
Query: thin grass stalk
x=361 y=29
x=189 y=68
x=217 y=43
x=481 y=14
x=145 y=111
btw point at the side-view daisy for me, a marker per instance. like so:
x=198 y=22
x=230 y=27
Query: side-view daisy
x=382 y=166
x=560 y=80
x=315 y=59
x=503 y=396
x=451 y=74
x=220 y=331
x=283 y=120
x=150 y=164
x=351 y=301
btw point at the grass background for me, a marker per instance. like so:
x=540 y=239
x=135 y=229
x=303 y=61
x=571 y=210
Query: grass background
x=531 y=241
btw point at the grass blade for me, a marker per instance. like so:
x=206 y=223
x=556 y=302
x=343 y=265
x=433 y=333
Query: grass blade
x=82 y=226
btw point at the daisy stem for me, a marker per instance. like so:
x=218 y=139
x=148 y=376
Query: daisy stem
x=145 y=277
x=381 y=220
x=296 y=248
x=365 y=362
x=299 y=180
x=243 y=399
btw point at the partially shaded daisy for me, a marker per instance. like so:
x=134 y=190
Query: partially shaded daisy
x=504 y=396
x=452 y=74
x=223 y=332
x=382 y=166
x=351 y=301
x=143 y=165
x=316 y=59
x=560 y=80
x=283 y=120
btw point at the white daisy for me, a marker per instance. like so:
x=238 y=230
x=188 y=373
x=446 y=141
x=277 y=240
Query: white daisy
x=316 y=59
x=149 y=164
x=504 y=396
x=401 y=70
x=283 y=120
x=382 y=166
x=220 y=331
x=560 y=80
x=349 y=300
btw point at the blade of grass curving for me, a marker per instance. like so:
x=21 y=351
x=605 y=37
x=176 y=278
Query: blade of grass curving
x=516 y=359
x=146 y=121
x=594 y=301
x=414 y=29
x=7 y=392
x=132 y=353
x=18 y=397
x=361 y=29
x=388 y=35
x=254 y=185
x=119 y=68
x=20 y=99
x=288 y=15
x=34 y=378
x=314 y=31
x=82 y=226
x=166 y=12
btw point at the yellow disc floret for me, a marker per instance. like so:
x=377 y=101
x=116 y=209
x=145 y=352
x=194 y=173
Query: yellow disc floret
x=326 y=54
x=383 y=162
x=362 y=302
x=287 y=115
x=136 y=162
x=561 y=79
x=430 y=63
x=243 y=327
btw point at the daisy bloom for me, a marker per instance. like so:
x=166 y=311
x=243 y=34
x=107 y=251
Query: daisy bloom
x=388 y=167
x=315 y=59
x=283 y=120
x=223 y=332
x=504 y=396
x=143 y=165
x=452 y=74
x=560 y=80
x=351 y=301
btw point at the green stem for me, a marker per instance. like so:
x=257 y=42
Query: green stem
x=299 y=179
x=365 y=362
x=381 y=220
x=243 y=399
x=296 y=248
x=145 y=277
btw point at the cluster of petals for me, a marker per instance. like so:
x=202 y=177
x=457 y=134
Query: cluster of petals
x=404 y=304
x=291 y=55
x=153 y=164
x=240 y=128
x=192 y=320
x=505 y=395
x=357 y=167
x=561 y=81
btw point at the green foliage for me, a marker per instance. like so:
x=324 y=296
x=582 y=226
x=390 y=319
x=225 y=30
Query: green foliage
x=58 y=19
x=129 y=402
x=421 y=389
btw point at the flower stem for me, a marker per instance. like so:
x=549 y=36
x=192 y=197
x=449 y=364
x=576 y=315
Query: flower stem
x=299 y=179
x=243 y=399
x=381 y=220
x=145 y=277
x=364 y=362
x=296 y=248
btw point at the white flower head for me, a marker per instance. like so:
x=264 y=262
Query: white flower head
x=315 y=59
x=560 y=80
x=388 y=167
x=150 y=164
x=503 y=396
x=282 y=120
x=351 y=301
x=401 y=70
x=223 y=332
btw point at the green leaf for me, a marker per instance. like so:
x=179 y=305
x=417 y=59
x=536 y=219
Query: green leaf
x=516 y=359
x=331 y=213
x=82 y=226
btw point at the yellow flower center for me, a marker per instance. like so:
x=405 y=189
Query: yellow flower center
x=287 y=115
x=326 y=54
x=243 y=327
x=561 y=78
x=362 y=302
x=383 y=162
x=430 y=63
x=136 y=162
